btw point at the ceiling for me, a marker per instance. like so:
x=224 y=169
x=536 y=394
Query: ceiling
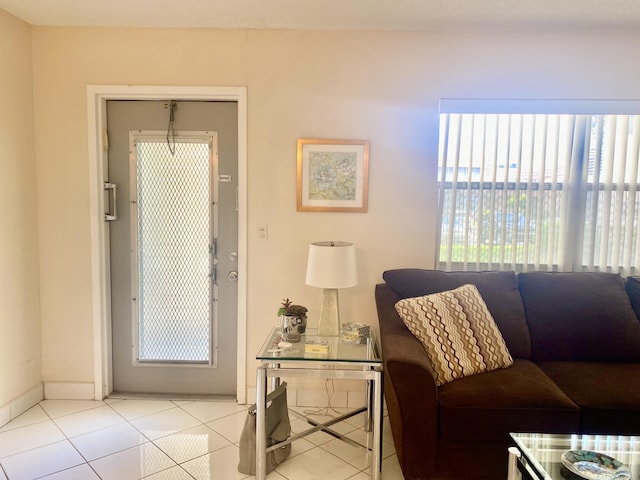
x=401 y=15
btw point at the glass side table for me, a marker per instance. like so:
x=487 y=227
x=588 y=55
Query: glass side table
x=346 y=360
x=538 y=454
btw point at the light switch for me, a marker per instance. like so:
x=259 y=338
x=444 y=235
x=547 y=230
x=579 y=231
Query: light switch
x=263 y=233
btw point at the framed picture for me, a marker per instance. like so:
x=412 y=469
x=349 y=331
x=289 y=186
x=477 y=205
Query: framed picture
x=333 y=175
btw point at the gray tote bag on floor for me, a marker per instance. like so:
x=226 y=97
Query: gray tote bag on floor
x=278 y=428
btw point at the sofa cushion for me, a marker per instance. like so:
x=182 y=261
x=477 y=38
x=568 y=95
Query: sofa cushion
x=608 y=394
x=457 y=331
x=580 y=316
x=488 y=406
x=632 y=286
x=498 y=289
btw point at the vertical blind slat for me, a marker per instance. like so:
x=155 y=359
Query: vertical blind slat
x=562 y=168
x=444 y=142
x=552 y=152
x=632 y=222
x=469 y=214
x=480 y=209
x=620 y=167
x=514 y=158
x=527 y=155
x=595 y=193
x=607 y=193
x=454 y=191
x=505 y=180
x=541 y=147
x=494 y=179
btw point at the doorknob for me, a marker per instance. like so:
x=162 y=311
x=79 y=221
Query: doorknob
x=233 y=276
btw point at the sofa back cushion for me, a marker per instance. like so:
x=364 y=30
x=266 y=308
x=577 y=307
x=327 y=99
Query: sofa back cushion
x=457 y=332
x=632 y=285
x=499 y=290
x=584 y=316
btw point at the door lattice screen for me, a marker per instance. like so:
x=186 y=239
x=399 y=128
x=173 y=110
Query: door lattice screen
x=173 y=251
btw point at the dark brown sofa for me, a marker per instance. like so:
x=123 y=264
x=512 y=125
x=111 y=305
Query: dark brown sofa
x=575 y=341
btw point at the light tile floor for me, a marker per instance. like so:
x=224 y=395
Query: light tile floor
x=122 y=439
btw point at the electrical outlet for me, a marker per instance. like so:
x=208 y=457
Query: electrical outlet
x=263 y=233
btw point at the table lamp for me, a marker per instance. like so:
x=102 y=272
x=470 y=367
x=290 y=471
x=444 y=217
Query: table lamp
x=331 y=265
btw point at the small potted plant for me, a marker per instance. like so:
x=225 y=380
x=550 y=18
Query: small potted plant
x=293 y=320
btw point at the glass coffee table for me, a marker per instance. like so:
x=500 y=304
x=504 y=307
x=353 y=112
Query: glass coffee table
x=538 y=456
x=343 y=359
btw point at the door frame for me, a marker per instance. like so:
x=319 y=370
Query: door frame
x=97 y=97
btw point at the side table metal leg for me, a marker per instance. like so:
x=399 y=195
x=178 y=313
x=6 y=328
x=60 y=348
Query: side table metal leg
x=261 y=418
x=275 y=381
x=376 y=450
x=368 y=416
x=513 y=472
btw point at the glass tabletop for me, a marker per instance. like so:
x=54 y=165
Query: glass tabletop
x=366 y=351
x=543 y=451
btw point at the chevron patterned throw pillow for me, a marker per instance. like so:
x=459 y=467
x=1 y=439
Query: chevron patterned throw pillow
x=458 y=332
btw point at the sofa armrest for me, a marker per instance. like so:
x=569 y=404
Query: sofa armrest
x=410 y=390
x=401 y=345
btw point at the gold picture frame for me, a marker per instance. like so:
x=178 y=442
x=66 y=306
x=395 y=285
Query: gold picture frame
x=332 y=175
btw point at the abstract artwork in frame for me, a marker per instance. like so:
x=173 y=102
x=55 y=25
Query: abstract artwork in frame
x=332 y=175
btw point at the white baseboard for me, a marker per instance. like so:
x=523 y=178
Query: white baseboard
x=251 y=396
x=21 y=404
x=69 y=391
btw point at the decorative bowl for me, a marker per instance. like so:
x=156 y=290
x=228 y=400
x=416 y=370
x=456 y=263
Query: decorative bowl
x=594 y=465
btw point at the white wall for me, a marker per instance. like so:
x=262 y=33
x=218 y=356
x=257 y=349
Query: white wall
x=383 y=87
x=20 y=347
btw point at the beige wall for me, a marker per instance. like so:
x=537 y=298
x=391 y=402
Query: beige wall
x=383 y=87
x=20 y=348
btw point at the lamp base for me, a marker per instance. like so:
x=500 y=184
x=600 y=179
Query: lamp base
x=329 y=324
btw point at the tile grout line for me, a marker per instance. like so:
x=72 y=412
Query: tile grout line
x=49 y=419
x=125 y=421
x=201 y=423
x=68 y=439
x=149 y=440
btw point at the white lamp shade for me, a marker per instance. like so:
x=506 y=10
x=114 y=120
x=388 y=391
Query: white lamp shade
x=332 y=265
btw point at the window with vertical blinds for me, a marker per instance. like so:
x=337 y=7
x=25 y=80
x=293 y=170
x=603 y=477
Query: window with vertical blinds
x=531 y=187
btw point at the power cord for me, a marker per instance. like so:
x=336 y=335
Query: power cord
x=325 y=410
